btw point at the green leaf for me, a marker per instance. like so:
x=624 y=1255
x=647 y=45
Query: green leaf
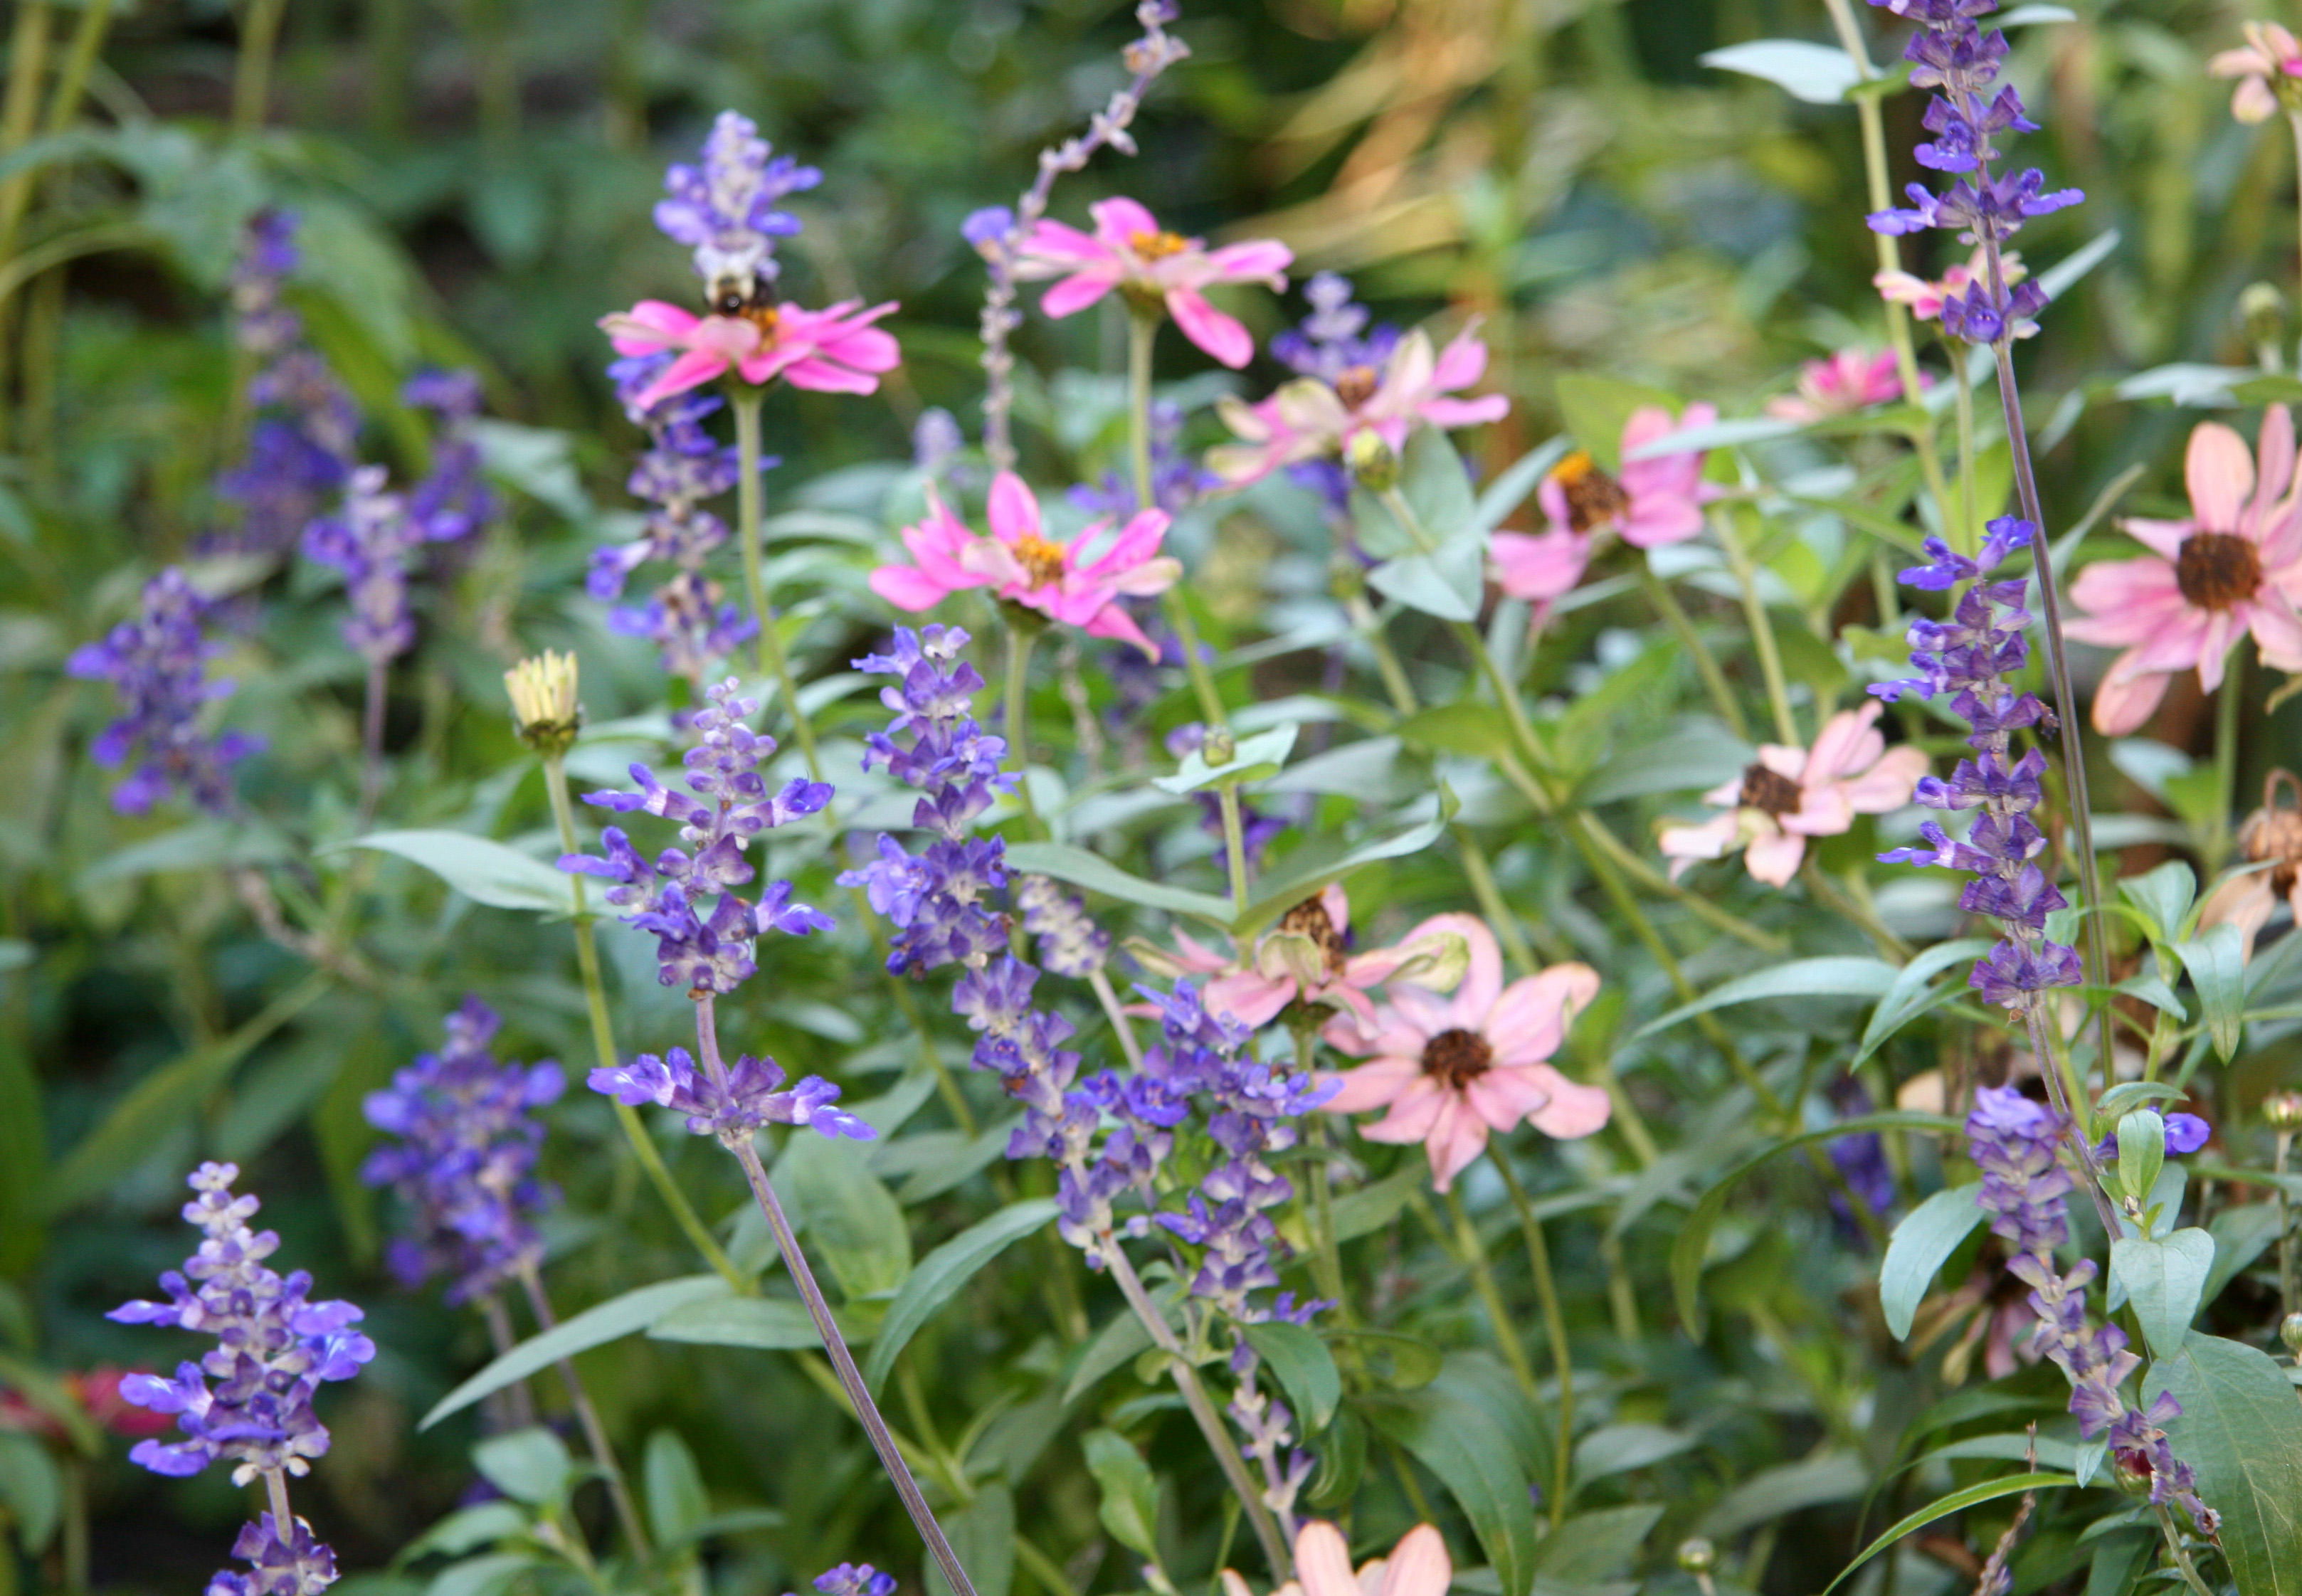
x=462 y=1531
x=1313 y=879
x=1130 y=1496
x=529 y=1466
x=943 y=1272
x=2162 y=897
x=1436 y=487
x=483 y=1576
x=1619 y=1448
x=2217 y=965
x=1082 y=868
x=595 y=1326
x=1448 y=581
x=2113 y=1104
x=2141 y=1152
x=1920 y=1245
x=2164 y=1282
x=1819 y=74
x=203 y=845
x=849 y=1214
x=1834 y=1476
x=1973 y=1496
x=1251 y=759
x=1912 y=994
x=1595 y=409
x=2241 y=1235
x=983 y=1535
x=1592 y=1548
x=486 y=872
x=1304 y=1366
x=1694 y=1239
x=2241 y=1429
x=30 y=1490
x=1371 y=1207
x=1118 y=1344
x=1833 y=977
x=765 y=1324
x=1698 y=755
x=1465 y=726
x=1402 y=1361
x=1471 y=1451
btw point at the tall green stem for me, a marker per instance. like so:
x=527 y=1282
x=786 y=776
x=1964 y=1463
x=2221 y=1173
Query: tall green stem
x=1966 y=536
x=1234 y=845
x=603 y=1047
x=1762 y=626
x=1706 y=664
x=1554 y=1324
x=1483 y=1279
x=749 y=513
x=1142 y=330
x=251 y=80
x=1020 y=635
x=2285 y=1231
x=2229 y=700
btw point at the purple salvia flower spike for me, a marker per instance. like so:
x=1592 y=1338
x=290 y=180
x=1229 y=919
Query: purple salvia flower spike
x=157 y=664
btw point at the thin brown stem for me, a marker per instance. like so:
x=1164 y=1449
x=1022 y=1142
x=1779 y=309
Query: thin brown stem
x=587 y=1417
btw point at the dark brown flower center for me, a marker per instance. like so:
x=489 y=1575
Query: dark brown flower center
x=1310 y=918
x=1356 y=386
x=2217 y=570
x=1041 y=561
x=1592 y=497
x=1769 y=790
x=1156 y=246
x=1458 y=1057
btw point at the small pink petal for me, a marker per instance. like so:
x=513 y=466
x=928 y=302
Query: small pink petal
x=1253 y=1000
x=1418 y=1565
x=2219 y=470
x=1575 y=1110
x=2127 y=699
x=1530 y=1020
x=1075 y=293
x=1218 y=334
x=1773 y=856
x=1014 y=511
x=1119 y=219
x=1322 y=1561
x=907 y=587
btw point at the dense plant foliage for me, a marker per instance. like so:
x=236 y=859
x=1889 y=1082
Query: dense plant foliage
x=1320 y=798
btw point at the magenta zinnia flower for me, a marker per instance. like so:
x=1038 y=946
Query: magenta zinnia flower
x=1847 y=382
x=1020 y=562
x=1789 y=795
x=1129 y=250
x=1653 y=502
x=2234 y=566
x=1310 y=419
x=834 y=350
x=1449 y=1069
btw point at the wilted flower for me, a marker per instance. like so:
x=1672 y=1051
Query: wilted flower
x=1844 y=383
x=2273 y=836
x=1450 y=1070
x=157 y=663
x=1129 y=251
x=832 y=350
x=2233 y=567
x=2269 y=71
x=1652 y=502
x=1789 y=795
x=1020 y=563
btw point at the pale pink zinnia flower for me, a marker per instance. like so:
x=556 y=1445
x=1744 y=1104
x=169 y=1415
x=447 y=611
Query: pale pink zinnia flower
x=1306 y=957
x=1844 y=384
x=1449 y=1069
x=1418 y=1565
x=1020 y=562
x=834 y=350
x=1652 y=502
x=2234 y=566
x=2271 y=835
x=1925 y=297
x=1789 y=795
x=1308 y=419
x=1129 y=251
x=2266 y=69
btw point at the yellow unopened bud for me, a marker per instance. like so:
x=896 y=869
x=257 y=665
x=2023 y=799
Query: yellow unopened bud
x=2283 y=1111
x=1371 y=461
x=543 y=704
x=1696 y=1555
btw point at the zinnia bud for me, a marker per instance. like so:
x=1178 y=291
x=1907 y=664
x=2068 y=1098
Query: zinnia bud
x=543 y=704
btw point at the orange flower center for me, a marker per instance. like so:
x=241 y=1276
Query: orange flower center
x=1041 y=561
x=1458 y=1057
x=2217 y=570
x=1769 y=790
x=1156 y=246
x=1310 y=918
x=1357 y=385
x=1592 y=497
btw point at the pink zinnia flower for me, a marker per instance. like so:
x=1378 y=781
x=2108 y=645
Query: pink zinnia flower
x=1925 y=297
x=1449 y=1069
x=1306 y=957
x=1654 y=502
x=1308 y=419
x=2266 y=71
x=2234 y=566
x=1789 y=795
x=1418 y=1565
x=1020 y=562
x=835 y=350
x=1129 y=251
x=1846 y=382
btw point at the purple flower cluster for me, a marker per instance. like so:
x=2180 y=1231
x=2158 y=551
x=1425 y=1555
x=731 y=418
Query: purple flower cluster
x=464 y=1160
x=2012 y=1140
x=452 y=502
x=300 y=448
x=939 y=899
x=371 y=539
x=1070 y=944
x=297 y=1566
x=274 y=1347
x=1972 y=655
x=707 y=955
x=854 y=1579
x=724 y=207
x=1951 y=56
x=689 y=618
x=157 y=664
x=730 y=1106
x=1178 y=480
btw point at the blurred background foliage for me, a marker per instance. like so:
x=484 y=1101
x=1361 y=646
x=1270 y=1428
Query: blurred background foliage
x=475 y=182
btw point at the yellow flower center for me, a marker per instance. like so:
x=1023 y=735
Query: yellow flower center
x=1156 y=246
x=1041 y=561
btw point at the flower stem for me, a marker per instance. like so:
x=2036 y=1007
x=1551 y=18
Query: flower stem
x=603 y=1047
x=251 y=78
x=1706 y=663
x=2058 y=669
x=1234 y=845
x=1202 y=1408
x=2285 y=1231
x=1020 y=636
x=1483 y=1279
x=1761 y=624
x=1828 y=891
x=518 y=1397
x=1099 y=979
x=2229 y=700
x=1966 y=536
x=372 y=741
x=587 y=1417
x=2181 y=1553
x=749 y=513
x=1142 y=330
x=1554 y=1324
x=1386 y=660
x=283 y=1517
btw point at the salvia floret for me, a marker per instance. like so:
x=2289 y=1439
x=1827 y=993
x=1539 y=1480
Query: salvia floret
x=727 y=207
x=157 y=664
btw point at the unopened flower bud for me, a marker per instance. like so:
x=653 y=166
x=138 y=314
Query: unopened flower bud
x=543 y=704
x=1373 y=463
x=2261 y=311
x=2290 y=1333
x=1696 y=1555
x=2283 y=1111
x=1220 y=748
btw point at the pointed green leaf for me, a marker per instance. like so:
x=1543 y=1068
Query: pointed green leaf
x=1304 y=1366
x=2217 y=965
x=486 y=872
x=1082 y=868
x=1973 y=1496
x=1834 y=977
x=943 y=1272
x=609 y=1321
x=1920 y=1245
x=1913 y=993
x=1131 y=1497
x=2241 y=1429
x=2164 y=1279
